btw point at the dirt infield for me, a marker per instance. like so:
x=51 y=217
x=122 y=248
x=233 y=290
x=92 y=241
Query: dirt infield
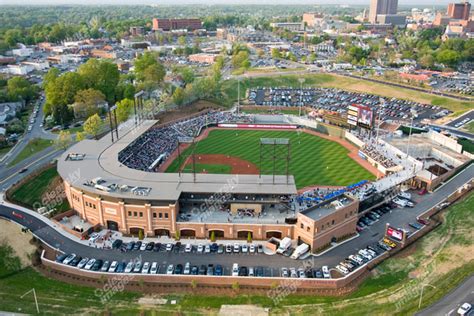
x=237 y=165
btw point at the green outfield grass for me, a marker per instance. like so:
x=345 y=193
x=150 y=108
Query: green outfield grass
x=206 y=168
x=314 y=160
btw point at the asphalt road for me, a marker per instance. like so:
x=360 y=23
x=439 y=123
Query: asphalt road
x=469 y=116
x=272 y=264
x=450 y=303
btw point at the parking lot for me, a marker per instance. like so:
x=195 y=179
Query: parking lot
x=338 y=100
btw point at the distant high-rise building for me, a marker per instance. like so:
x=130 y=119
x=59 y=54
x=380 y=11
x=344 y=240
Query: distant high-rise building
x=176 y=24
x=459 y=11
x=378 y=7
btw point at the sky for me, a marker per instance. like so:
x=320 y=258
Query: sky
x=175 y=2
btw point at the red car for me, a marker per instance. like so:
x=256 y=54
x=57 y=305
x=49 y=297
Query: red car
x=18 y=215
x=422 y=192
x=422 y=221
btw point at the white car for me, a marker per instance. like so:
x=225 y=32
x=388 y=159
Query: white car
x=89 y=264
x=342 y=269
x=236 y=248
x=326 y=273
x=284 y=272
x=82 y=263
x=465 y=309
x=200 y=248
x=69 y=258
x=252 y=248
x=188 y=248
x=207 y=249
x=146 y=268
x=143 y=246
x=169 y=247
x=138 y=267
x=245 y=248
x=356 y=259
x=129 y=267
x=293 y=273
x=405 y=195
x=187 y=268
x=154 y=268
x=235 y=269
x=113 y=266
x=251 y=272
x=170 y=269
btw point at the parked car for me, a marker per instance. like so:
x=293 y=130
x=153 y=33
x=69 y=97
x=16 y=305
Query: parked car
x=200 y=248
x=342 y=269
x=170 y=269
x=284 y=272
x=187 y=268
x=220 y=249
x=89 y=264
x=218 y=270
x=69 y=258
x=243 y=271
x=228 y=248
x=202 y=269
x=169 y=247
x=105 y=266
x=83 y=263
x=235 y=269
x=138 y=267
x=188 y=248
x=236 y=248
x=207 y=249
x=154 y=268
x=245 y=248
x=464 y=309
x=113 y=266
x=129 y=267
x=252 y=248
x=326 y=273
x=178 y=269
x=97 y=265
x=146 y=268
x=143 y=246
x=150 y=246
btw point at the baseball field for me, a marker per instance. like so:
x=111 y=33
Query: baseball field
x=314 y=160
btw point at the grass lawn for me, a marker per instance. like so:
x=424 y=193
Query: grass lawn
x=4 y=151
x=72 y=130
x=229 y=89
x=467 y=145
x=470 y=127
x=442 y=258
x=314 y=160
x=32 y=191
x=34 y=146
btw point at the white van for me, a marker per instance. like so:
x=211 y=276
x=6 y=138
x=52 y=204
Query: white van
x=300 y=250
x=326 y=273
x=285 y=243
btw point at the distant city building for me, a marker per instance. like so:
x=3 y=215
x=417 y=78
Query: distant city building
x=312 y=19
x=382 y=7
x=293 y=27
x=176 y=24
x=137 y=30
x=393 y=19
x=459 y=11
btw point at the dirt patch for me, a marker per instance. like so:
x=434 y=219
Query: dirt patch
x=237 y=165
x=11 y=234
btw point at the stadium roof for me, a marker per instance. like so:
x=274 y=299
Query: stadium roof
x=101 y=162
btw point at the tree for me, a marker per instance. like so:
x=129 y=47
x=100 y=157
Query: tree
x=182 y=40
x=80 y=136
x=154 y=74
x=187 y=74
x=448 y=57
x=249 y=237
x=213 y=236
x=102 y=75
x=124 y=108
x=20 y=89
x=178 y=96
x=92 y=125
x=88 y=102
x=140 y=234
x=241 y=60
x=64 y=140
x=276 y=53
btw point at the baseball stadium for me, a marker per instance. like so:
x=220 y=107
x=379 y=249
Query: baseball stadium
x=220 y=174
